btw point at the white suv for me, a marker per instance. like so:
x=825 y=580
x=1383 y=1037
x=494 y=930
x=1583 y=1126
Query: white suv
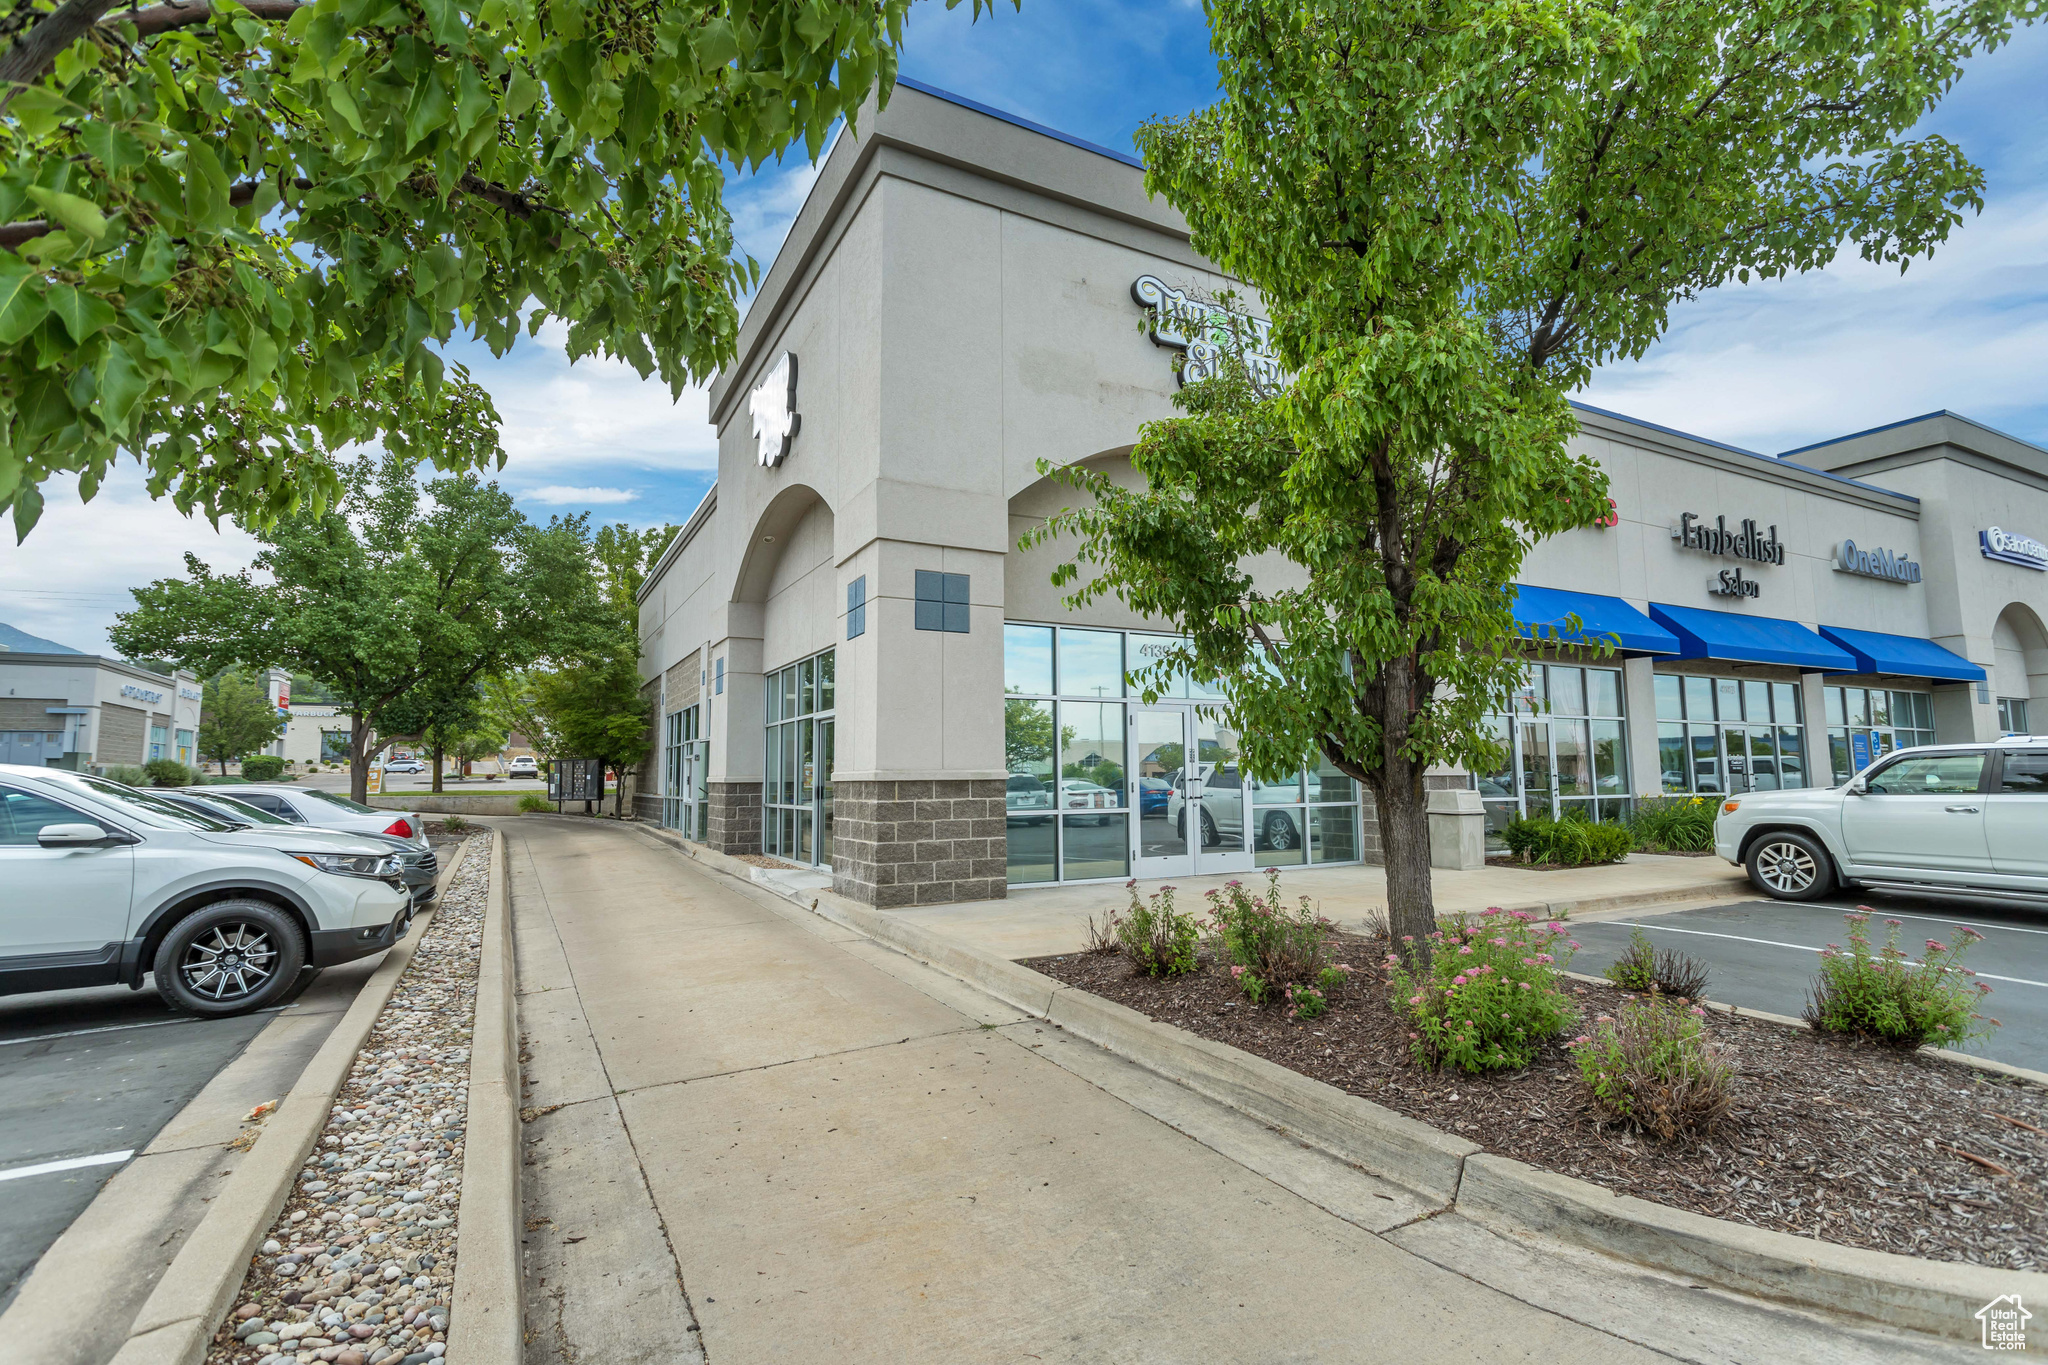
x=105 y=883
x=1963 y=817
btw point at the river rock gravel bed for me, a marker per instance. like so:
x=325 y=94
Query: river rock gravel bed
x=1844 y=1141
x=359 y=1267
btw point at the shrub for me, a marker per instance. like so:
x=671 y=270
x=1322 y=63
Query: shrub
x=533 y=802
x=1653 y=1069
x=1272 y=949
x=454 y=824
x=1884 y=996
x=1490 y=995
x=1158 y=939
x=126 y=772
x=1682 y=824
x=1102 y=934
x=168 y=772
x=262 y=767
x=1570 y=842
x=1644 y=968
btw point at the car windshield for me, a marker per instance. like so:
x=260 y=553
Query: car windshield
x=153 y=811
x=331 y=799
x=229 y=807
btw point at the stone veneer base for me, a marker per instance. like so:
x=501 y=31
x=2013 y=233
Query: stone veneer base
x=733 y=820
x=920 y=842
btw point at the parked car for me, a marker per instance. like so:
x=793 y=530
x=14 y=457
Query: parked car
x=1079 y=794
x=1220 y=790
x=405 y=765
x=326 y=810
x=418 y=869
x=1961 y=817
x=1027 y=800
x=1155 y=794
x=106 y=883
x=526 y=765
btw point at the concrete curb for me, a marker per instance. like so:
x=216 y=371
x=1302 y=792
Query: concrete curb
x=1901 y=1292
x=485 y=1323
x=1949 y=1055
x=176 y=1322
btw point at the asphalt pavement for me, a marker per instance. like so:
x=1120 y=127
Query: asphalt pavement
x=1763 y=955
x=87 y=1078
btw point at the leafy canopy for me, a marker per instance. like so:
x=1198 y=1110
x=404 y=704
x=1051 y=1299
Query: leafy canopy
x=1455 y=210
x=230 y=229
x=235 y=718
x=400 y=599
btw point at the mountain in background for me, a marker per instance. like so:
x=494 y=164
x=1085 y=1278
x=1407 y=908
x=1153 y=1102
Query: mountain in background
x=21 y=642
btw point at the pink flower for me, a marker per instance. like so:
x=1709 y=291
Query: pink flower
x=1935 y=947
x=1465 y=951
x=1554 y=927
x=1526 y=986
x=1237 y=971
x=1413 y=1036
x=1410 y=938
x=1458 y=980
x=1575 y=945
x=1581 y=1040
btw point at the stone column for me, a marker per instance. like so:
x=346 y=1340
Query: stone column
x=919 y=842
x=733 y=819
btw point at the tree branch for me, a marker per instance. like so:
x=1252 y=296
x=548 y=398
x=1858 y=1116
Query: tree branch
x=30 y=58
x=15 y=234
x=173 y=15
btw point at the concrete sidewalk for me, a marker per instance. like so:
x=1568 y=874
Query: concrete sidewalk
x=1038 y=923
x=753 y=1128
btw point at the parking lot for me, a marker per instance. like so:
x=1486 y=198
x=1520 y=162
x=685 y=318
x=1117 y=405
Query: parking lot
x=1763 y=955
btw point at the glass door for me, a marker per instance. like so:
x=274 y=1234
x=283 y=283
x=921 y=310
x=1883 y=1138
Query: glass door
x=1167 y=802
x=1218 y=750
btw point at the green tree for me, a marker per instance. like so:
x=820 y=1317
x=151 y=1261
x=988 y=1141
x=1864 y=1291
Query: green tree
x=1454 y=210
x=464 y=736
x=624 y=557
x=398 y=598
x=511 y=702
x=235 y=718
x=1027 y=735
x=232 y=230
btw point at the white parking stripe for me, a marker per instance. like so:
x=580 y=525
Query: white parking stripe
x=72 y=1164
x=1951 y=920
x=1773 y=943
x=116 y=1028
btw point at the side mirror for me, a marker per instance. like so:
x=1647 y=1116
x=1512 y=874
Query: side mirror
x=70 y=836
x=1858 y=787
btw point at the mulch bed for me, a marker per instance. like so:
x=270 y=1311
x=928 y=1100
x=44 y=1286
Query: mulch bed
x=1844 y=1141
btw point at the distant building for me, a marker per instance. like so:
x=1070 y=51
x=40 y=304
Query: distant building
x=64 y=709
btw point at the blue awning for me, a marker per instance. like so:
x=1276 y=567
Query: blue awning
x=1903 y=655
x=1705 y=634
x=1600 y=618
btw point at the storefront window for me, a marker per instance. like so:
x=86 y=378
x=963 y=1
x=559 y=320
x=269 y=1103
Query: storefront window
x=1565 y=751
x=1075 y=783
x=1736 y=735
x=1865 y=724
x=686 y=758
x=2012 y=716
x=796 y=787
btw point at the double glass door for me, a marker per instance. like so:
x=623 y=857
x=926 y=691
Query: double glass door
x=1189 y=793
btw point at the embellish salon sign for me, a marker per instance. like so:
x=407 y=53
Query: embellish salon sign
x=1747 y=541
x=772 y=405
x=1203 y=332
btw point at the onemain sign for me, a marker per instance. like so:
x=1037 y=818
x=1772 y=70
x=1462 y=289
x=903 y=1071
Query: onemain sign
x=1875 y=563
x=2008 y=548
x=1204 y=333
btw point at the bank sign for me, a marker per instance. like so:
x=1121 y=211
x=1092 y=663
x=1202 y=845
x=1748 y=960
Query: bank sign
x=1204 y=333
x=2007 y=548
x=141 y=693
x=1896 y=568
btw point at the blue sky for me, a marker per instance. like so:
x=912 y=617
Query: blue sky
x=1766 y=366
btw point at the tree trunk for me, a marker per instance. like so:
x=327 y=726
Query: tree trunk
x=358 y=758
x=438 y=751
x=1403 y=813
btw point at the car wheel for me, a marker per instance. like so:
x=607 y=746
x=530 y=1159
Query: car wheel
x=229 y=958
x=1790 y=867
x=1280 y=832
x=1210 y=838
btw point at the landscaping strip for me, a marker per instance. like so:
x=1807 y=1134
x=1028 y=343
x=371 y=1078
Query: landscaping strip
x=1907 y=1292
x=177 y=1319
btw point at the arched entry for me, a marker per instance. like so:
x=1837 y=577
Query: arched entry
x=2019 y=673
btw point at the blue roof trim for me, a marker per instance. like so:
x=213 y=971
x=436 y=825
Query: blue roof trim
x=1738 y=450
x=1909 y=421
x=1706 y=634
x=1904 y=656
x=978 y=107
x=1600 y=618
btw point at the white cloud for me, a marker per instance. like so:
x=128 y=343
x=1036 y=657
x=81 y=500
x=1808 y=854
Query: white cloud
x=74 y=572
x=1776 y=365
x=561 y=495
